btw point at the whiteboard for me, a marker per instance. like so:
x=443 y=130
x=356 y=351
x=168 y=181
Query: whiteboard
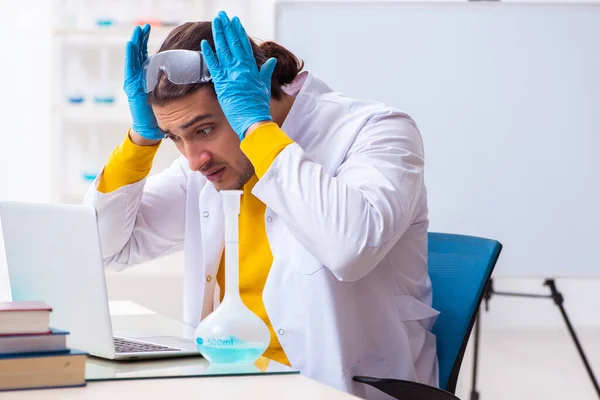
x=507 y=99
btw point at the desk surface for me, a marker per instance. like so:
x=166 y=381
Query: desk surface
x=98 y=369
x=157 y=384
x=289 y=387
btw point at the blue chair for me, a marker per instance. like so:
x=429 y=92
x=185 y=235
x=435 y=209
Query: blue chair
x=460 y=267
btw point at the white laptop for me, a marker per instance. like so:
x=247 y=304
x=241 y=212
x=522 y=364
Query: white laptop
x=53 y=254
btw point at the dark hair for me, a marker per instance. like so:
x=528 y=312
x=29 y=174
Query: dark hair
x=188 y=37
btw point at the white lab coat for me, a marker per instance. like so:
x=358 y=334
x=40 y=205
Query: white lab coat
x=348 y=292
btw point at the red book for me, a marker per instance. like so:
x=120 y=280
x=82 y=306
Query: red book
x=21 y=317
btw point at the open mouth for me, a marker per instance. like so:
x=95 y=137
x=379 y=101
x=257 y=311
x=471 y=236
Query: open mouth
x=216 y=175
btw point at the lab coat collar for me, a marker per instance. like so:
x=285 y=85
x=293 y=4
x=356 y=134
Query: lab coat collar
x=306 y=87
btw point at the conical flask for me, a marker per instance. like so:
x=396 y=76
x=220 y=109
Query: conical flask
x=232 y=334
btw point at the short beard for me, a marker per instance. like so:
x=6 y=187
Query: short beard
x=246 y=172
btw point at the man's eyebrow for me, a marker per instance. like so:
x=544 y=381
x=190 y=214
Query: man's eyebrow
x=195 y=120
x=185 y=126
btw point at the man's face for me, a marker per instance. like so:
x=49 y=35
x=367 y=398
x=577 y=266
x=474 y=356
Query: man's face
x=199 y=129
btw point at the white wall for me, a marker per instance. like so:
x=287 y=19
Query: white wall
x=24 y=106
x=25 y=99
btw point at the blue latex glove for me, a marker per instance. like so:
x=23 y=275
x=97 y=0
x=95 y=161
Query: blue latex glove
x=136 y=53
x=243 y=91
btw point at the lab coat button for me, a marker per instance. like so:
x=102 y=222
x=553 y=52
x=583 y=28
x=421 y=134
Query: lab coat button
x=269 y=219
x=205 y=214
x=208 y=278
x=281 y=332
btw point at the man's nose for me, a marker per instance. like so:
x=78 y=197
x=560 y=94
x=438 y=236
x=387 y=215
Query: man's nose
x=197 y=158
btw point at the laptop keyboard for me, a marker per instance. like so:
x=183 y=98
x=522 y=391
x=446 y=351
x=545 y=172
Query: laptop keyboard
x=130 y=346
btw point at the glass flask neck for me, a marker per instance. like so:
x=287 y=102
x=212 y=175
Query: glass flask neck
x=232 y=270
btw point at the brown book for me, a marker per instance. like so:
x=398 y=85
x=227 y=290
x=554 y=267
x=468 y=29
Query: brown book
x=42 y=370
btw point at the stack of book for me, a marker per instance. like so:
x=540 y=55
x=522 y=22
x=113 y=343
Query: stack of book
x=33 y=354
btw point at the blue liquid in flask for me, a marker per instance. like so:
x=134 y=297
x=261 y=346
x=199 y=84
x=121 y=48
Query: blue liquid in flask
x=229 y=350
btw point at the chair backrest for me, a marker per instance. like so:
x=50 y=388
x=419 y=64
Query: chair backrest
x=460 y=267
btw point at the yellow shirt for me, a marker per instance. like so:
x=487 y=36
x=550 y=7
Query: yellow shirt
x=130 y=163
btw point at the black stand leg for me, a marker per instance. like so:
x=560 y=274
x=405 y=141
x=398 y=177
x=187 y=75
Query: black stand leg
x=474 y=392
x=558 y=300
x=487 y=294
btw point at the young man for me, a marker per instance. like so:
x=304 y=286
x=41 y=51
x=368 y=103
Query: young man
x=333 y=222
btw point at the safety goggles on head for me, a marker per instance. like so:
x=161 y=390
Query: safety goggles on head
x=181 y=67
